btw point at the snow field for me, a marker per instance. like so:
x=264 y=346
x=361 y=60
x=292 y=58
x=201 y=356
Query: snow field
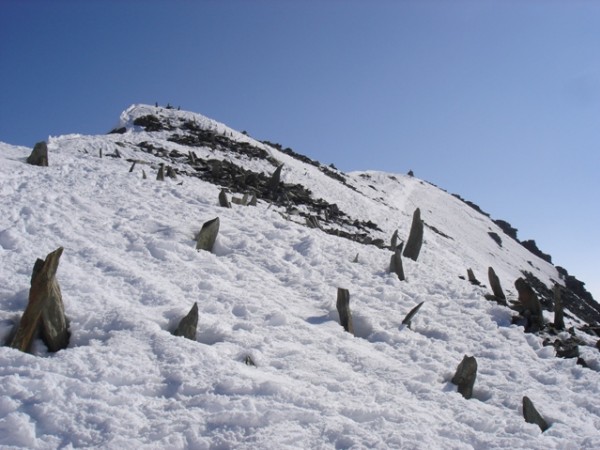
x=130 y=272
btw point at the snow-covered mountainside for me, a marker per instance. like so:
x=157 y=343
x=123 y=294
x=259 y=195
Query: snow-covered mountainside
x=270 y=367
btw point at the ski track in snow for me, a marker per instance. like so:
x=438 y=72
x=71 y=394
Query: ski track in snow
x=130 y=271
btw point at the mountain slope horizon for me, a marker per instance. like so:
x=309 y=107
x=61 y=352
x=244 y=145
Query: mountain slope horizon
x=266 y=294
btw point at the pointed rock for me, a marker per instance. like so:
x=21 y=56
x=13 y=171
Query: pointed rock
x=45 y=310
x=160 y=176
x=529 y=307
x=394 y=241
x=343 y=307
x=208 y=235
x=39 y=155
x=415 y=237
x=188 y=325
x=273 y=184
x=253 y=200
x=559 y=321
x=408 y=319
x=495 y=285
x=532 y=416
x=465 y=375
x=223 y=201
x=396 y=263
x=471 y=278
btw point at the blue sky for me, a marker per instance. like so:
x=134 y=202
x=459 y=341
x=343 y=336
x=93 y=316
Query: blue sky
x=498 y=101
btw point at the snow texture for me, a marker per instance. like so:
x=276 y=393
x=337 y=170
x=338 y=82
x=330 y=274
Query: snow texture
x=130 y=272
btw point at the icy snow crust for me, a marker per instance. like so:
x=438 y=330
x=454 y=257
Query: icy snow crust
x=130 y=271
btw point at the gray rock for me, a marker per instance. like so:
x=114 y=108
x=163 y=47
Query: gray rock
x=531 y=415
x=223 y=201
x=45 y=311
x=465 y=375
x=471 y=277
x=408 y=319
x=415 y=237
x=208 y=235
x=188 y=325
x=495 y=285
x=39 y=155
x=559 y=321
x=396 y=263
x=343 y=307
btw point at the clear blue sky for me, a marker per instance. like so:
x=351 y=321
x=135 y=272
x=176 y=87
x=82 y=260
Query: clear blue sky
x=498 y=101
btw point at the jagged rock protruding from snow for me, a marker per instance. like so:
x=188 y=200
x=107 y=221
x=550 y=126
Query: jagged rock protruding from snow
x=144 y=174
x=249 y=361
x=465 y=375
x=396 y=263
x=355 y=260
x=223 y=201
x=45 y=312
x=188 y=325
x=531 y=414
x=394 y=241
x=273 y=184
x=408 y=319
x=559 y=322
x=343 y=307
x=415 y=237
x=313 y=222
x=495 y=285
x=529 y=307
x=39 y=155
x=208 y=235
x=471 y=277
x=253 y=200
x=160 y=176
x=171 y=173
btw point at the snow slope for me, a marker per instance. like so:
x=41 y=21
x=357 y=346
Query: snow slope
x=130 y=271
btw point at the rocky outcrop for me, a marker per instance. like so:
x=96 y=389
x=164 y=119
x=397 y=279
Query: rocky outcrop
x=39 y=155
x=415 y=237
x=45 y=311
x=465 y=376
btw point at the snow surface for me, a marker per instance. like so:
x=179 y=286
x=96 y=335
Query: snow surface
x=130 y=272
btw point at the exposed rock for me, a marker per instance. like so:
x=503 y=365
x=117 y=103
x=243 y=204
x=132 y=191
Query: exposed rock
x=529 y=307
x=497 y=239
x=408 y=319
x=471 y=277
x=45 y=309
x=188 y=325
x=343 y=307
x=273 y=185
x=415 y=237
x=508 y=229
x=208 y=235
x=223 y=201
x=160 y=176
x=39 y=155
x=559 y=322
x=495 y=285
x=532 y=416
x=396 y=263
x=465 y=375
x=533 y=248
x=394 y=240
x=249 y=361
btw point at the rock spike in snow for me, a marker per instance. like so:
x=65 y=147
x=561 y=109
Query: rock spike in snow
x=45 y=309
x=275 y=179
x=188 y=325
x=394 y=242
x=208 y=235
x=249 y=361
x=160 y=176
x=132 y=167
x=355 y=259
x=223 y=201
x=253 y=200
x=531 y=415
x=529 y=306
x=465 y=375
x=171 y=173
x=144 y=174
x=559 y=322
x=415 y=237
x=396 y=263
x=408 y=319
x=39 y=155
x=495 y=284
x=471 y=277
x=343 y=307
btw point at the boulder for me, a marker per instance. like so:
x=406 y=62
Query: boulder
x=415 y=237
x=208 y=235
x=465 y=375
x=39 y=155
x=188 y=325
x=531 y=414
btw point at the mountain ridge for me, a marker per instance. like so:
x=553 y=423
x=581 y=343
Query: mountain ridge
x=266 y=294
